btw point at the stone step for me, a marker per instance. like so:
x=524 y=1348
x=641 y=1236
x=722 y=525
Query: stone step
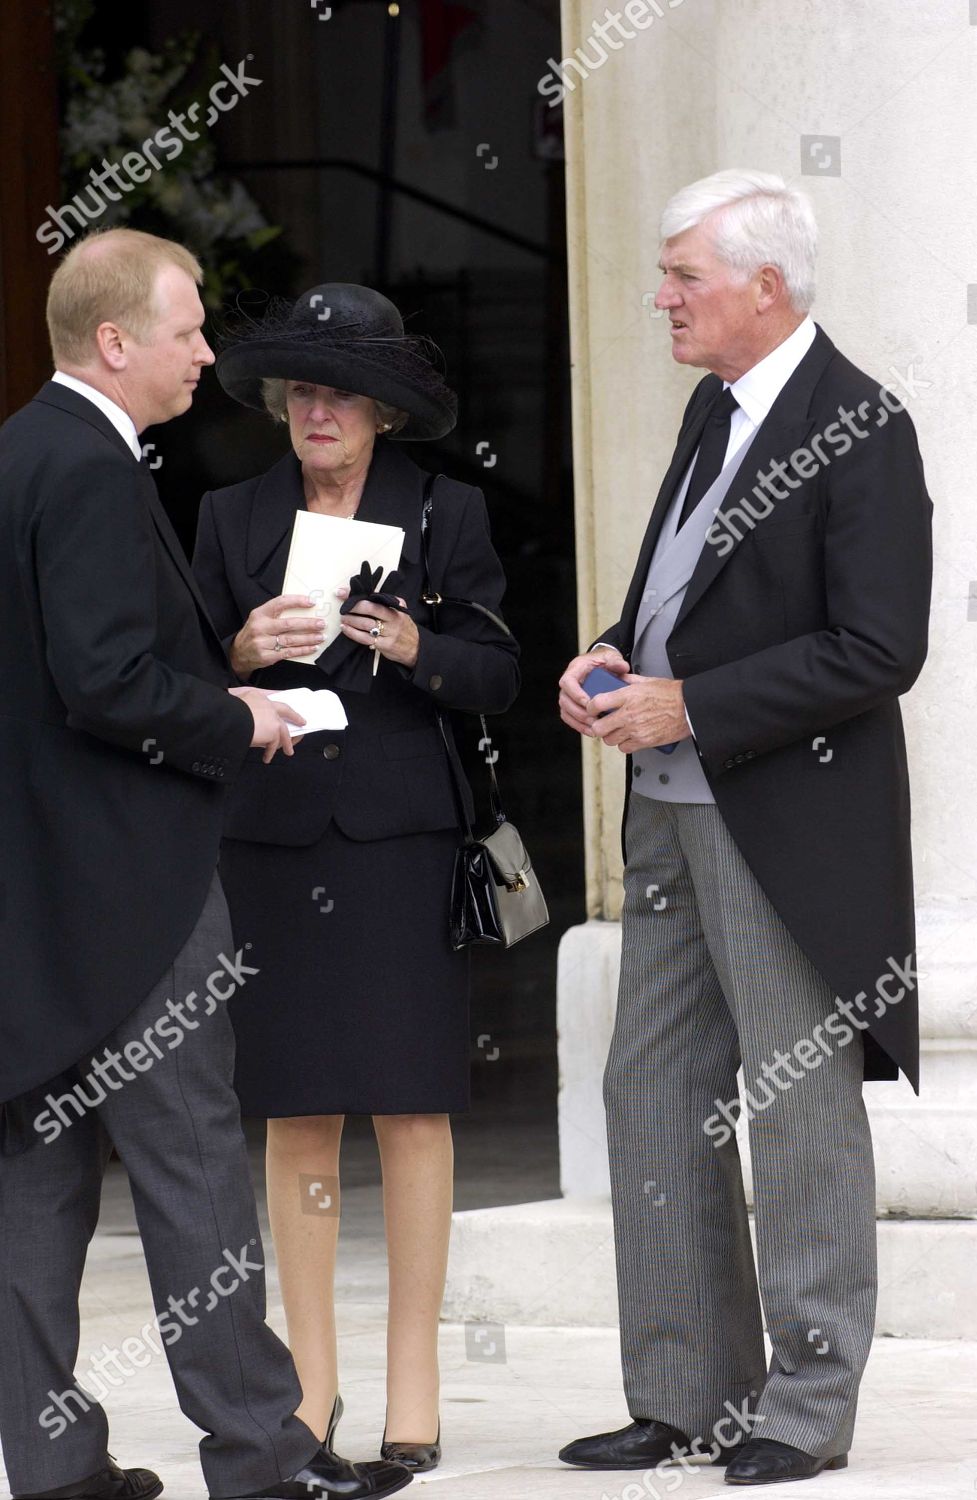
x=552 y=1264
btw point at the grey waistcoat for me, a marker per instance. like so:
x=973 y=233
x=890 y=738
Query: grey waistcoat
x=678 y=777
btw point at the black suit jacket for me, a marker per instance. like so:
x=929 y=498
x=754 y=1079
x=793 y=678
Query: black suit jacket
x=798 y=633
x=387 y=773
x=116 y=737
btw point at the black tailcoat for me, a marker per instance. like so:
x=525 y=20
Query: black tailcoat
x=116 y=737
x=796 y=637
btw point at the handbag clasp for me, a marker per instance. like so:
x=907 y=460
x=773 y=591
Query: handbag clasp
x=517 y=886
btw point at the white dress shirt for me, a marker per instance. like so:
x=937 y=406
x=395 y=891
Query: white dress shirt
x=121 y=420
x=757 y=390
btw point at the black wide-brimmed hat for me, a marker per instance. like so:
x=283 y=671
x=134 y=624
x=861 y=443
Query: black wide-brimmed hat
x=346 y=336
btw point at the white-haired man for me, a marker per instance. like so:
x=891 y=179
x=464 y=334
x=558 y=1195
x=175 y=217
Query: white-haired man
x=777 y=611
x=117 y=740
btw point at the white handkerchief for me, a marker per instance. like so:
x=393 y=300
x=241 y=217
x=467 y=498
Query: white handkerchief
x=324 y=554
x=320 y=708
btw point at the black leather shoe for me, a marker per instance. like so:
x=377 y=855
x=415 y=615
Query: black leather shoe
x=418 y=1457
x=637 y=1446
x=726 y=1455
x=765 y=1461
x=328 y=1477
x=110 y=1483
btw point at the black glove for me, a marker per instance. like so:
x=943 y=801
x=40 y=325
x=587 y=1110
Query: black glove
x=348 y=664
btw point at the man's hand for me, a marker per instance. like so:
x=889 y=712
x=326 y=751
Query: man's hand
x=268 y=635
x=574 y=703
x=649 y=711
x=271 y=721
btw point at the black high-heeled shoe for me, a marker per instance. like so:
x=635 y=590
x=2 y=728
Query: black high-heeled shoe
x=337 y=1411
x=418 y=1457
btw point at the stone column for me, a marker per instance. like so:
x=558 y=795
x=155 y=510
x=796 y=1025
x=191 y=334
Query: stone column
x=868 y=107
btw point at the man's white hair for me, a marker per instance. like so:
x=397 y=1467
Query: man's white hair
x=763 y=222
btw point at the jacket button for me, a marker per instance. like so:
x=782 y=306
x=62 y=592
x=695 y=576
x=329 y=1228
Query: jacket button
x=195 y=766
x=663 y=778
x=435 y=682
x=636 y=770
x=330 y=751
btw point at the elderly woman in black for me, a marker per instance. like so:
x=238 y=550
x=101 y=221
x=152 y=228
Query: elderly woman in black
x=337 y=864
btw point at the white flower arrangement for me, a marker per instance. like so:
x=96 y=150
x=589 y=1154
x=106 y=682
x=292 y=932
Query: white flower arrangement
x=188 y=199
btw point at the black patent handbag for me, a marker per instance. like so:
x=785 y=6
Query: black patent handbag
x=496 y=896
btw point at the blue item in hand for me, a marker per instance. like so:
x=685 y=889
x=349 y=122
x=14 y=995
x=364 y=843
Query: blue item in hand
x=599 y=680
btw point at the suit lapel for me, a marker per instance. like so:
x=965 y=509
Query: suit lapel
x=688 y=440
x=393 y=495
x=785 y=429
x=170 y=540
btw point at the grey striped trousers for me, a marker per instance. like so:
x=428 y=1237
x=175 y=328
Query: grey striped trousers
x=710 y=977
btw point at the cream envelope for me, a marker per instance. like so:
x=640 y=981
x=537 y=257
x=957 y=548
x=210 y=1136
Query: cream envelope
x=324 y=554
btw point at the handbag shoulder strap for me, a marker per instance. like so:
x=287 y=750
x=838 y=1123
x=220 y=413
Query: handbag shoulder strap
x=432 y=598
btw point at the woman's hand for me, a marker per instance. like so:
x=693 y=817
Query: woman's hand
x=268 y=636
x=399 y=639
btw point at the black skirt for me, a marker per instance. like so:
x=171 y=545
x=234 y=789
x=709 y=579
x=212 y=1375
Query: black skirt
x=360 y=1005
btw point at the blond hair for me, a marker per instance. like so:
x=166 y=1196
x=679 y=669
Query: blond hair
x=109 y=277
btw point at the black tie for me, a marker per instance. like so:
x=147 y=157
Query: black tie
x=711 y=451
